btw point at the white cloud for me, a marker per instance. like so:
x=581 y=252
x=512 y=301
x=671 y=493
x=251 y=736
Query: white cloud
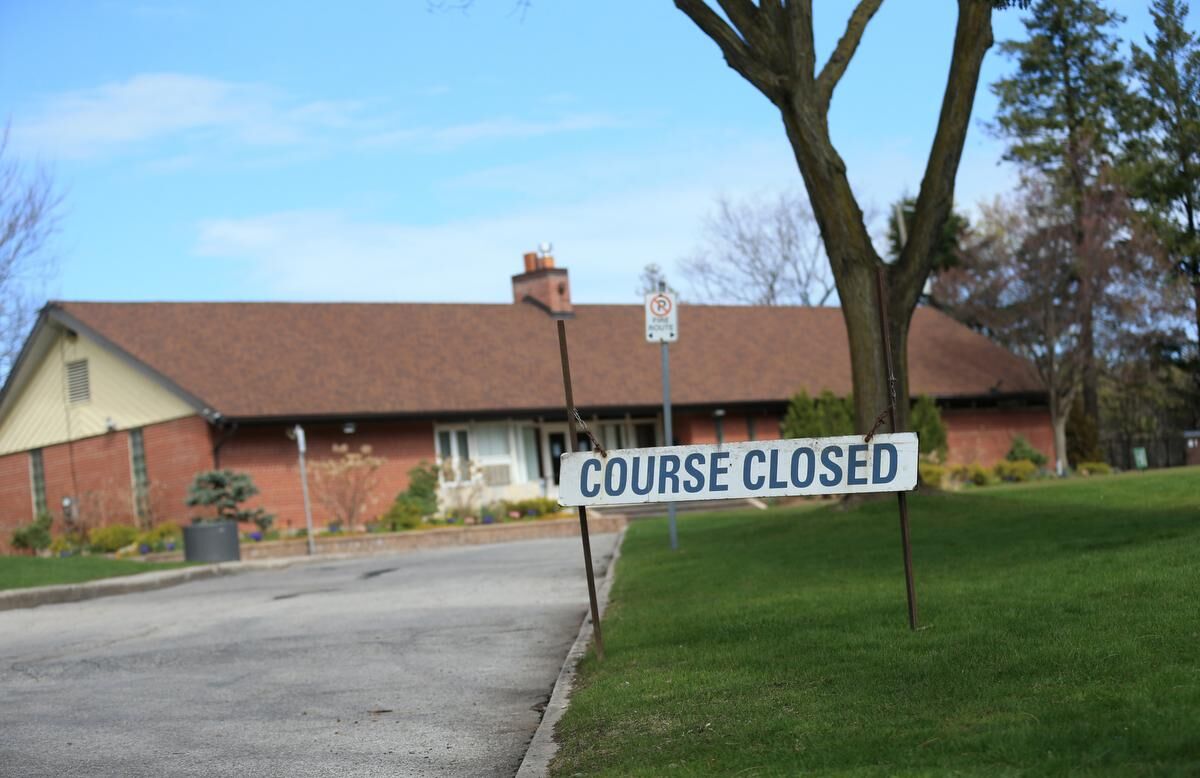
x=501 y=128
x=157 y=106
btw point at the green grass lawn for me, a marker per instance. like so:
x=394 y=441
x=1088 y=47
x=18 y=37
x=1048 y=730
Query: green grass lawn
x=1062 y=635
x=20 y=572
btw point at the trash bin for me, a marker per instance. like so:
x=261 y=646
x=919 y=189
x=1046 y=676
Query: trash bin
x=211 y=541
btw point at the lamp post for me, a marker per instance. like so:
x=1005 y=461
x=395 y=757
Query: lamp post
x=301 y=445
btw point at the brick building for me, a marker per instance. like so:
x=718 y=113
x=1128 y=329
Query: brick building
x=118 y=405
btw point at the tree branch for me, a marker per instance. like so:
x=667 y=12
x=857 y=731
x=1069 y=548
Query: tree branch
x=972 y=39
x=832 y=72
x=734 y=47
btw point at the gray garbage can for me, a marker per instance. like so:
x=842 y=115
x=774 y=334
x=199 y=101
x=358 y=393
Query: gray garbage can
x=213 y=541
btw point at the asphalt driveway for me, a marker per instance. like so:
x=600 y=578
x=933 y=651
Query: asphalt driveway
x=430 y=663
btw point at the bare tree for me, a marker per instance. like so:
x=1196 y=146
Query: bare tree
x=1016 y=284
x=761 y=251
x=1019 y=276
x=771 y=45
x=652 y=279
x=29 y=217
x=346 y=486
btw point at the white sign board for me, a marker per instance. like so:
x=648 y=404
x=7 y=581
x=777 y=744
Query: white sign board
x=662 y=318
x=764 y=468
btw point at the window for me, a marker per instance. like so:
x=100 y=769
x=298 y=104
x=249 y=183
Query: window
x=644 y=434
x=612 y=434
x=141 y=481
x=78 y=387
x=37 y=474
x=452 y=447
x=533 y=454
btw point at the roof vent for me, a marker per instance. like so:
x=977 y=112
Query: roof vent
x=78 y=387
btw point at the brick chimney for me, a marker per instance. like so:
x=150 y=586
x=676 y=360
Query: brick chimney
x=544 y=285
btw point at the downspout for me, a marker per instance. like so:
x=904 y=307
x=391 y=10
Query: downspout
x=227 y=430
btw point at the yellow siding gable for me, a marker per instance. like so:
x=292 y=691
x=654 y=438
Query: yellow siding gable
x=42 y=416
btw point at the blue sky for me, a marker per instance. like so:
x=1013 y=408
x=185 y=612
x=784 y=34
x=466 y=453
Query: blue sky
x=377 y=151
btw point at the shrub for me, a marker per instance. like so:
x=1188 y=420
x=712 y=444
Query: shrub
x=35 y=536
x=972 y=474
x=1093 y=468
x=931 y=474
x=224 y=491
x=423 y=488
x=815 y=417
x=162 y=537
x=535 y=506
x=1021 y=449
x=1018 y=471
x=64 y=545
x=931 y=430
x=112 y=538
x=405 y=513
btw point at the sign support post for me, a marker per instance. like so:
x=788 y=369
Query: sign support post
x=301 y=444
x=662 y=326
x=572 y=443
x=668 y=434
x=901 y=497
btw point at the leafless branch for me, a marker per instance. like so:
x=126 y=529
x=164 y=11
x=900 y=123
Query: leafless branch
x=761 y=252
x=29 y=218
x=839 y=60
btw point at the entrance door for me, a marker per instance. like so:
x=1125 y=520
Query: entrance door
x=554 y=437
x=556 y=442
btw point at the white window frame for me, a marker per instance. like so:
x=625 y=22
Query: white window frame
x=453 y=456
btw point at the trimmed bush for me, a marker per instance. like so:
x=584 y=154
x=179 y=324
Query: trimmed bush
x=1015 y=472
x=972 y=474
x=35 y=536
x=1021 y=449
x=931 y=474
x=815 y=417
x=406 y=513
x=112 y=538
x=1094 y=468
x=162 y=537
x=931 y=430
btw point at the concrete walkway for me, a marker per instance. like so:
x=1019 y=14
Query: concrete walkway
x=431 y=663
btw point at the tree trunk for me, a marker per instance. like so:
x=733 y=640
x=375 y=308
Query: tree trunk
x=1059 y=422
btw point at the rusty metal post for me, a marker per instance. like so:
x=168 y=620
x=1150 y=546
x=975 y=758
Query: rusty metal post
x=901 y=497
x=572 y=442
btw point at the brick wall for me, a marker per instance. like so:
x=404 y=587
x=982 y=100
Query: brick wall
x=984 y=435
x=16 y=496
x=270 y=457
x=97 y=473
x=697 y=428
x=175 y=452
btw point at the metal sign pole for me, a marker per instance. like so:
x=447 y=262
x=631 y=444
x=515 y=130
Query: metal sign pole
x=901 y=497
x=302 y=446
x=572 y=443
x=667 y=433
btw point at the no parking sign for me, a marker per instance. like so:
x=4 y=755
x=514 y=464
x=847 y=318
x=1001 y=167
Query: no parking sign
x=662 y=318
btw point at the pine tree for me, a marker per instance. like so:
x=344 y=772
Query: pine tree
x=1063 y=111
x=1163 y=158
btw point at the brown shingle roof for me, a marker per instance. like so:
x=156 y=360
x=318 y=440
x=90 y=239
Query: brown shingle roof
x=316 y=359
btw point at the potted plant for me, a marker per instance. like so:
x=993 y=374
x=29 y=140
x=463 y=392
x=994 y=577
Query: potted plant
x=214 y=537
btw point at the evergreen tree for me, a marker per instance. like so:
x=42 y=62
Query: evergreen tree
x=1163 y=158
x=1063 y=111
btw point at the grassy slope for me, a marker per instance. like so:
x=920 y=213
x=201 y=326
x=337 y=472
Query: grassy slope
x=19 y=572
x=1063 y=635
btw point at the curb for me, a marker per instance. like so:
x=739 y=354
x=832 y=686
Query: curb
x=32 y=597
x=542 y=748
